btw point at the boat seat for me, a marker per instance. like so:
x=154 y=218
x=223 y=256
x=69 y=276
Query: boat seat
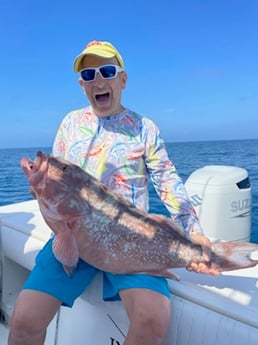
x=21 y=239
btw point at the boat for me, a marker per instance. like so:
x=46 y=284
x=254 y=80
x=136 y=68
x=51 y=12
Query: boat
x=221 y=310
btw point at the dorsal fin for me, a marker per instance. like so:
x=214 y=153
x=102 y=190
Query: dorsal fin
x=169 y=224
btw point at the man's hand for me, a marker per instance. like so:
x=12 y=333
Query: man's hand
x=205 y=268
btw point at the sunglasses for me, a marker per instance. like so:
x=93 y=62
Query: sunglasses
x=106 y=72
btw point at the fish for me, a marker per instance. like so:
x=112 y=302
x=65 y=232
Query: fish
x=92 y=222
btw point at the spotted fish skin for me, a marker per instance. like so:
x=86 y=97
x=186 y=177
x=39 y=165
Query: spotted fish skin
x=92 y=222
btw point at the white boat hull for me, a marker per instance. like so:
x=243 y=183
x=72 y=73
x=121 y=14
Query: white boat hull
x=215 y=310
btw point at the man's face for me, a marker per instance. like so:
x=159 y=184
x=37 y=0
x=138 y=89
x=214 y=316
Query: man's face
x=104 y=95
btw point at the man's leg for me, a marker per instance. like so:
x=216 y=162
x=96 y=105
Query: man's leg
x=149 y=313
x=45 y=289
x=32 y=314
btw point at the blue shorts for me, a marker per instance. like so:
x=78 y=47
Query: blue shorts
x=48 y=276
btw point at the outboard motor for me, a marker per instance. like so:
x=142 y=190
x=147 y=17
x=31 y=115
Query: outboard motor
x=221 y=196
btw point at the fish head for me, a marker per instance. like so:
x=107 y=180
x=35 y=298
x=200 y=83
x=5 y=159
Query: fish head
x=35 y=172
x=57 y=185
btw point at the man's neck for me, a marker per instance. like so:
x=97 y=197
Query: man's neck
x=102 y=115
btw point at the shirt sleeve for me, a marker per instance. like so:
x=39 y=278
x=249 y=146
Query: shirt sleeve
x=61 y=139
x=167 y=182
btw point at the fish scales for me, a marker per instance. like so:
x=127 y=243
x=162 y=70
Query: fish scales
x=92 y=222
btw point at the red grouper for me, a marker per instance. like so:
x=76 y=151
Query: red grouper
x=92 y=222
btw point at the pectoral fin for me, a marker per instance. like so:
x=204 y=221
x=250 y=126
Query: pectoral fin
x=65 y=250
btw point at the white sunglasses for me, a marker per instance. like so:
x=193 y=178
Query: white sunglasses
x=106 y=72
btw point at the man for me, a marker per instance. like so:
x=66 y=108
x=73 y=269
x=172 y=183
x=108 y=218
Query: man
x=122 y=149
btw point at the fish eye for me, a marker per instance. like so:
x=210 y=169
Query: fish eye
x=64 y=167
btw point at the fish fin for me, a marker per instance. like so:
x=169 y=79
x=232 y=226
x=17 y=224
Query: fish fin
x=69 y=270
x=165 y=274
x=66 y=250
x=229 y=256
x=169 y=224
x=170 y=275
x=254 y=255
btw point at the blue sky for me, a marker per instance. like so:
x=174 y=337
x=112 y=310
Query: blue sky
x=192 y=65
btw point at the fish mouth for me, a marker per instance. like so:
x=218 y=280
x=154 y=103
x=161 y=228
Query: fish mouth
x=34 y=170
x=29 y=165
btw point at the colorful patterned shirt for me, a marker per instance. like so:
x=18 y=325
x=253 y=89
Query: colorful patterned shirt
x=123 y=151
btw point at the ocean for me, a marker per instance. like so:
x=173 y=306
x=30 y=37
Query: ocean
x=187 y=157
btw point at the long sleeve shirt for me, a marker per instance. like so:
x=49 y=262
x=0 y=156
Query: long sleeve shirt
x=123 y=151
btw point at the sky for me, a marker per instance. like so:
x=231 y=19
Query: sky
x=192 y=65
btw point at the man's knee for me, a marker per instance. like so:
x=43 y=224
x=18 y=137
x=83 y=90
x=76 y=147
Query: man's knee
x=33 y=312
x=156 y=323
x=148 y=311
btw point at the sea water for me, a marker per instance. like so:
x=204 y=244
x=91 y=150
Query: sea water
x=187 y=157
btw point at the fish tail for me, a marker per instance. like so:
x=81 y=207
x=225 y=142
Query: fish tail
x=227 y=256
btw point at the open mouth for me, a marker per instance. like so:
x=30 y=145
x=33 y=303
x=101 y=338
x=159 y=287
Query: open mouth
x=102 y=97
x=30 y=166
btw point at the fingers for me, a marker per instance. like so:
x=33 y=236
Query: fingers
x=205 y=243
x=203 y=267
